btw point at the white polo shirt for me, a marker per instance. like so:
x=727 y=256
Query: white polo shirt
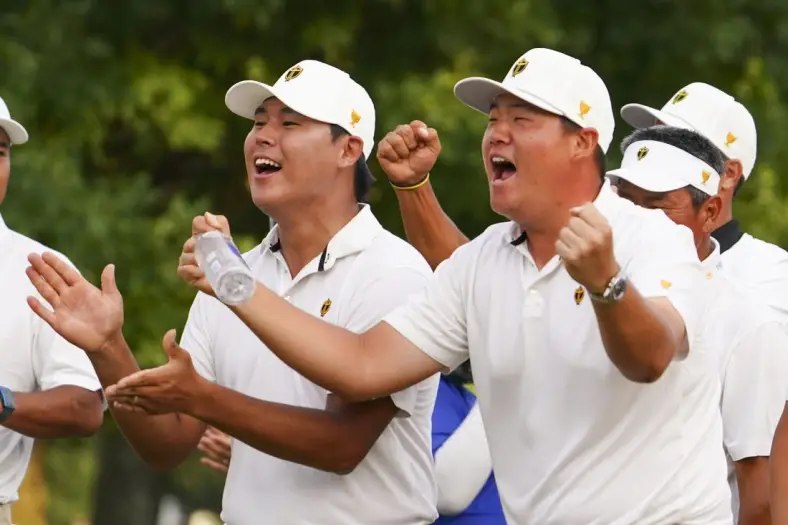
x=751 y=349
x=32 y=356
x=572 y=440
x=757 y=266
x=364 y=273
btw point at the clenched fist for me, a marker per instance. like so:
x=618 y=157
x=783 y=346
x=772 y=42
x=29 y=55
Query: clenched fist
x=586 y=246
x=408 y=153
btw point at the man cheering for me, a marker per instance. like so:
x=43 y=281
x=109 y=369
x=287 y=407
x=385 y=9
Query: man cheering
x=300 y=454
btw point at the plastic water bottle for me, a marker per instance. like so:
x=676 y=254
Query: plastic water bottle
x=224 y=267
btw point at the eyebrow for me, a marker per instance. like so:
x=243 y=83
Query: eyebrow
x=285 y=109
x=5 y=145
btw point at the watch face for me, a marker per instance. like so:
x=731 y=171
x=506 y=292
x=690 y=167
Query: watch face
x=618 y=289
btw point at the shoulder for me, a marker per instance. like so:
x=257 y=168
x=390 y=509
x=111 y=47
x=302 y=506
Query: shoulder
x=766 y=253
x=733 y=313
x=389 y=256
x=22 y=246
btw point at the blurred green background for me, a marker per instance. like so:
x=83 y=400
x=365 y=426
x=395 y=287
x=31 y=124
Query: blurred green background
x=130 y=138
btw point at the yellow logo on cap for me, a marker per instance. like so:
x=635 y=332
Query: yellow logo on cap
x=354 y=118
x=579 y=294
x=681 y=95
x=519 y=67
x=293 y=72
x=705 y=175
x=730 y=139
x=642 y=152
x=584 y=109
x=666 y=284
x=325 y=308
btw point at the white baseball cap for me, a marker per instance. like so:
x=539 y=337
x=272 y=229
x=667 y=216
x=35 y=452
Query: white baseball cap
x=552 y=81
x=15 y=131
x=659 y=167
x=316 y=90
x=709 y=111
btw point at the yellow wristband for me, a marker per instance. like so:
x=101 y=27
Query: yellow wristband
x=419 y=184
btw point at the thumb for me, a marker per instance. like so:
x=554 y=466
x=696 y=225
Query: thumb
x=432 y=140
x=108 y=284
x=171 y=348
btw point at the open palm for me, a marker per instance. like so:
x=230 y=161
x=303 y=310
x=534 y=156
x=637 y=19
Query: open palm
x=83 y=314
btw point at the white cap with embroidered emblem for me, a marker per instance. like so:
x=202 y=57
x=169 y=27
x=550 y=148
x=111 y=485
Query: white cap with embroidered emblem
x=552 y=81
x=316 y=90
x=15 y=131
x=709 y=111
x=659 y=167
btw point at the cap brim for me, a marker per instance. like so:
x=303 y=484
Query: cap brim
x=656 y=182
x=640 y=116
x=479 y=93
x=246 y=96
x=15 y=131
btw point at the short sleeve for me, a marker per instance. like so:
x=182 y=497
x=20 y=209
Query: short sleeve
x=374 y=299
x=753 y=393
x=56 y=362
x=197 y=338
x=771 y=287
x=435 y=319
x=667 y=266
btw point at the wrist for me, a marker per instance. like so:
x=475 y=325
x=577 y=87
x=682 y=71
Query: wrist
x=200 y=400
x=412 y=184
x=113 y=343
x=599 y=287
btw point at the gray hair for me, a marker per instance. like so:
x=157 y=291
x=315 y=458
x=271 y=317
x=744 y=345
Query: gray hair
x=690 y=141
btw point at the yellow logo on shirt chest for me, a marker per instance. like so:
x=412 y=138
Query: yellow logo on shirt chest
x=579 y=294
x=325 y=308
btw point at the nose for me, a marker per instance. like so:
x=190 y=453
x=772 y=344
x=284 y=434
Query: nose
x=499 y=132
x=265 y=136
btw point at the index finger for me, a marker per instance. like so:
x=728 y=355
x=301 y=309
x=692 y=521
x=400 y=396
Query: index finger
x=66 y=272
x=590 y=214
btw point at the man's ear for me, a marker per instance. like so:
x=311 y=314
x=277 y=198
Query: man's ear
x=731 y=176
x=351 y=152
x=586 y=142
x=711 y=213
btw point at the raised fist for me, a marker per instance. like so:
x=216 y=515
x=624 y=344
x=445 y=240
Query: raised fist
x=408 y=153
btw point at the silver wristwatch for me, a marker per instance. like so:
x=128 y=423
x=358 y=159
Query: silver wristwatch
x=614 y=292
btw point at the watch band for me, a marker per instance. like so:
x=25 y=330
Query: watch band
x=613 y=292
x=7 y=400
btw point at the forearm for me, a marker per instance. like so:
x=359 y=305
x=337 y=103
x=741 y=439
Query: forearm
x=752 y=478
x=327 y=355
x=162 y=441
x=65 y=411
x=316 y=438
x=462 y=465
x=427 y=226
x=637 y=339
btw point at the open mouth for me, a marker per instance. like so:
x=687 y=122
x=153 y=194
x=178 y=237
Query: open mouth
x=264 y=166
x=502 y=168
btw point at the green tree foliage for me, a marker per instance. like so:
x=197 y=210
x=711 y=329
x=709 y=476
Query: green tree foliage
x=130 y=137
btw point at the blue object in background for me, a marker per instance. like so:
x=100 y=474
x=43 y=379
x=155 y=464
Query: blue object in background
x=452 y=405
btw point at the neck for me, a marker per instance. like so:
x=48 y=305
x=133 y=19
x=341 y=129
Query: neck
x=305 y=233
x=541 y=237
x=705 y=248
x=726 y=211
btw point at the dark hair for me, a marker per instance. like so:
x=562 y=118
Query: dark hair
x=362 y=177
x=599 y=155
x=687 y=140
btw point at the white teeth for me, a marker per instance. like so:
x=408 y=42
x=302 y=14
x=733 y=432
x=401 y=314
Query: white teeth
x=266 y=162
x=500 y=160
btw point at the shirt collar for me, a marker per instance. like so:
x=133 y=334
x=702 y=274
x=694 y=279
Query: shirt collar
x=353 y=238
x=4 y=230
x=606 y=202
x=727 y=235
x=713 y=263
